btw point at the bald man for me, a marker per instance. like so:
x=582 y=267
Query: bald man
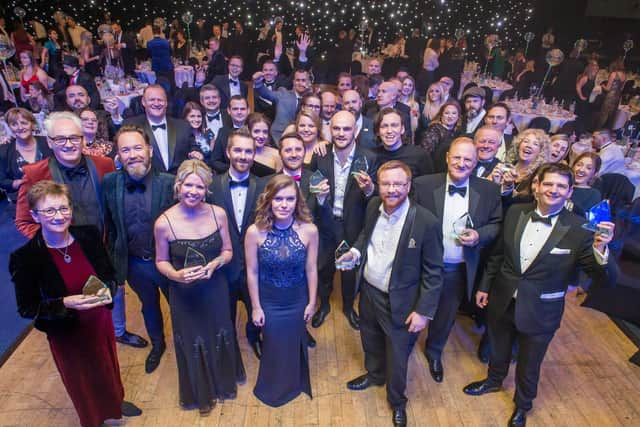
x=388 y=97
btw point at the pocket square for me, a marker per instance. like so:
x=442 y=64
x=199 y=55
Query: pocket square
x=412 y=243
x=560 y=251
x=552 y=295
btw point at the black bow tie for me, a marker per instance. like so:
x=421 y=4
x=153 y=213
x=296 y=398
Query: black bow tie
x=162 y=126
x=213 y=117
x=460 y=190
x=535 y=217
x=244 y=183
x=233 y=82
x=133 y=186
x=77 y=171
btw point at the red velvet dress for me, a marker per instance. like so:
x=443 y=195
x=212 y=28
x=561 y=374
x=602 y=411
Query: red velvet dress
x=86 y=354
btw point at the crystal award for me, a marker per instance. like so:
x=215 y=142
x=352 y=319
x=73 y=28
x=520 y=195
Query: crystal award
x=92 y=286
x=194 y=258
x=597 y=214
x=360 y=165
x=342 y=249
x=314 y=181
x=461 y=225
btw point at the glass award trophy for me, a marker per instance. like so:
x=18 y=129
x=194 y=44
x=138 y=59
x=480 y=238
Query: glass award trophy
x=461 y=225
x=194 y=258
x=314 y=181
x=92 y=286
x=360 y=165
x=597 y=214
x=342 y=249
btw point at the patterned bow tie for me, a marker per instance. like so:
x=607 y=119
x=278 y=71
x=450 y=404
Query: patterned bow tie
x=161 y=126
x=244 y=183
x=77 y=171
x=460 y=190
x=133 y=186
x=535 y=217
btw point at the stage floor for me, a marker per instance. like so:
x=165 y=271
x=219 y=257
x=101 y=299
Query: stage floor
x=586 y=381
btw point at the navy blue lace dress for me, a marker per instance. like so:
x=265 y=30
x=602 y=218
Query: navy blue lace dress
x=284 y=366
x=207 y=352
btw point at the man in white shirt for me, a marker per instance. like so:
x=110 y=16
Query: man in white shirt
x=497 y=117
x=329 y=102
x=400 y=280
x=610 y=153
x=526 y=280
x=210 y=100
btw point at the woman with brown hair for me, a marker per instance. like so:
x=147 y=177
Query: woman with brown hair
x=30 y=72
x=281 y=249
x=267 y=160
x=444 y=128
x=585 y=169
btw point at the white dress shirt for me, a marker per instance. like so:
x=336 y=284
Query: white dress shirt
x=216 y=124
x=162 y=140
x=238 y=197
x=473 y=124
x=612 y=158
x=234 y=86
x=340 y=179
x=454 y=207
x=383 y=245
x=501 y=154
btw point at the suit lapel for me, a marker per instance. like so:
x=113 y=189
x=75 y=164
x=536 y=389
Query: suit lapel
x=558 y=232
x=329 y=168
x=119 y=195
x=474 y=199
x=438 y=198
x=226 y=191
x=517 y=236
x=251 y=194
x=171 y=140
x=157 y=157
x=403 y=242
x=155 y=195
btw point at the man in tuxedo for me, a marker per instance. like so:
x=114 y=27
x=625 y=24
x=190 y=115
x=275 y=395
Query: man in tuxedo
x=229 y=84
x=75 y=76
x=487 y=142
x=473 y=100
x=328 y=106
x=236 y=117
x=399 y=278
x=237 y=191
x=171 y=139
x=374 y=67
x=497 y=117
x=126 y=44
x=365 y=135
x=344 y=195
x=450 y=197
x=133 y=199
x=387 y=97
x=390 y=130
x=217 y=62
x=215 y=118
x=273 y=80
x=526 y=280
x=610 y=153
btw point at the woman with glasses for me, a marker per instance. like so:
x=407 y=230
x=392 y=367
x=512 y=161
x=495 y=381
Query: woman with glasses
x=64 y=280
x=96 y=139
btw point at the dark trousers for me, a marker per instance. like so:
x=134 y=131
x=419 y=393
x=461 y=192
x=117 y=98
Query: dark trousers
x=146 y=281
x=454 y=288
x=332 y=236
x=239 y=291
x=532 y=349
x=386 y=346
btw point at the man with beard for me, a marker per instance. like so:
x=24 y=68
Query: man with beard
x=134 y=197
x=77 y=99
x=473 y=99
x=273 y=80
x=365 y=136
x=497 y=117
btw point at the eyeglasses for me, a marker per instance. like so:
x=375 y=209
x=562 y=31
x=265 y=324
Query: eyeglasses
x=62 y=140
x=51 y=212
x=389 y=185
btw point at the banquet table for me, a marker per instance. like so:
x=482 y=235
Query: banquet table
x=522 y=114
x=182 y=74
x=496 y=86
x=110 y=90
x=624 y=113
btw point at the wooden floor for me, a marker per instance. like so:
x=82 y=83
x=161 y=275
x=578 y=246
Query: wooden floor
x=586 y=381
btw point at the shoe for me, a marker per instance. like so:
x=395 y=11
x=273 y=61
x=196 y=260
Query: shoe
x=130 y=410
x=321 y=314
x=153 y=359
x=518 y=418
x=484 y=350
x=479 y=388
x=436 y=369
x=257 y=347
x=206 y=411
x=132 y=340
x=362 y=382
x=354 y=319
x=311 y=342
x=399 y=418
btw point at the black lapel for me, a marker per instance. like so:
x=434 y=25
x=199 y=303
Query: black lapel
x=226 y=192
x=251 y=194
x=95 y=181
x=157 y=157
x=156 y=194
x=329 y=167
x=404 y=241
x=517 y=236
x=55 y=171
x=438 y=198
x=171 y=140
x=304 y=182
x=559 y=230
x=119 y=196
x=474 y=199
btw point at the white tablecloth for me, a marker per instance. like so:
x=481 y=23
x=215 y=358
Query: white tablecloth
x=623 y=114
x=497 y=87
x=182 y=74
x=522 y=115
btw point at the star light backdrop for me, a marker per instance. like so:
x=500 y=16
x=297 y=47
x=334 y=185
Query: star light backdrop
x=510 y=19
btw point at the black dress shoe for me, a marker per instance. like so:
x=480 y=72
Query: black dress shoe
x=354 y=319
x=153 y=359
x=518 y=418
x=311 y=342
x=479 y=388
x=130 y=410
x=399 y=418
x=362 y=382
x=321 y=314
x=436 y=369
x=256 y=346
x=132 y=340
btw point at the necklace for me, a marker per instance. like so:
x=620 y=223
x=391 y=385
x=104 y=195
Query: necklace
x=65 y=256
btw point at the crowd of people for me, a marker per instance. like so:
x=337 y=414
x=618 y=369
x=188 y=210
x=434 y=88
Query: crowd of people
x=261 y=185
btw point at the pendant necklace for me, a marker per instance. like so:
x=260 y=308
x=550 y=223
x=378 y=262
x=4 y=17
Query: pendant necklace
x=65 y=256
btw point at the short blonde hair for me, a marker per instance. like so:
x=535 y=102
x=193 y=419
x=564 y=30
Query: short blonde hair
x=193 y=166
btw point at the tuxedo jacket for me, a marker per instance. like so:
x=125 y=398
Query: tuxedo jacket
x=48 y=169
x=217 y=66
x=286 y=104
x=261 y=106
x=39 y=286
x=220 y=195
x=179 y=137
x=222 y=83
x=542 y=287
x=488 y=167
x=367 y=137
x=355 y=201
x=371 y=109
x=113 y=191
x=485 y=209
x=416 y=273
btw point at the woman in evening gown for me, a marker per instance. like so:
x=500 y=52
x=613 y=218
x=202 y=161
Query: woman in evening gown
x=192 y=244
x=281 y=250
x=613 y=90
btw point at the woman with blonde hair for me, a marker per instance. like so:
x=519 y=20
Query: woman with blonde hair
x=192 y=244
x=433 y=101
x=281 y=249
x=407 y=96
x=90 y=58
x=309 y=127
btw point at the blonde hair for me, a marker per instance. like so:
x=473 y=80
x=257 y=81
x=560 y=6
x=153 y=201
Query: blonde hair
x=15 y=113
x=189 y=167
x=264 y=213
x=543 y=156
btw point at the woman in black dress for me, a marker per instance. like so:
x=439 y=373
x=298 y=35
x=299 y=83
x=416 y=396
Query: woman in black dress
x=281 y=250
x=192 y=244
x=584 y=86
x=267 y=160
x=585 y=168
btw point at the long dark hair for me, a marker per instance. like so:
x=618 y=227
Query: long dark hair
x=264 y=213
